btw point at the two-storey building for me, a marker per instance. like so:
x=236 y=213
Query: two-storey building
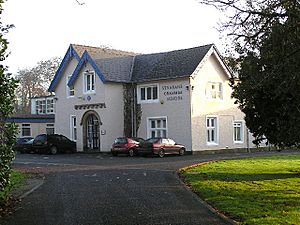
x=102 y=94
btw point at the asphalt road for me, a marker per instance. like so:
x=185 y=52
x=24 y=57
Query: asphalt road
x=92 y=189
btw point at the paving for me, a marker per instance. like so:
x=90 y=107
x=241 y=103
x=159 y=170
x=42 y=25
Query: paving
x=91 y=189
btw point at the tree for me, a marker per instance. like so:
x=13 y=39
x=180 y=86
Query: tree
x=7 y=131
x=34 y=82
x=266 y=36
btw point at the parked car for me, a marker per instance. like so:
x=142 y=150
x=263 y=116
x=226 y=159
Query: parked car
x=126 y=145
x=161 y=146
x=53 y=144
x=22 y=144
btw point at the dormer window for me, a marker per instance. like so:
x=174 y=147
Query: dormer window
x=89 y=82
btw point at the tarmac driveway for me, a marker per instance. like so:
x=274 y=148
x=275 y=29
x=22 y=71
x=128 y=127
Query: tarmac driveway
x=92 y=189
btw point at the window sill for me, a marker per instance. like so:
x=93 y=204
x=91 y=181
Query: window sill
x=212 y=143
x=148 y=101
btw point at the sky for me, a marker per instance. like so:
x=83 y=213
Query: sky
x=45 y=28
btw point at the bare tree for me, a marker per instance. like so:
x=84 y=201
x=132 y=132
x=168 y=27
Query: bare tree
x=34 y=82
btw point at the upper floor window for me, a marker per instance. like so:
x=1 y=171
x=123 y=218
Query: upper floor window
x=148 y=94
x=238 y=132
x=45 y=106
x=50 y=106
x=70 y=90
x=89 y=82
x=214 y=90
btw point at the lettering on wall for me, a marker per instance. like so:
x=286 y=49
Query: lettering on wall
x=173 y=92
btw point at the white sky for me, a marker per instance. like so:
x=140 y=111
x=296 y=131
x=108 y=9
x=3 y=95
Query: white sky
x=46 y=28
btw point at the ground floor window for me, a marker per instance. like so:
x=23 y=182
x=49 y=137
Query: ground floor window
x=26 y=130
x=50 y=128
x=73 y=126
x=157 y=127
x=238 y=132
x=212 y=130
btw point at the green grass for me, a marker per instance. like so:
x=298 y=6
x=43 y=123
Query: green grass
x=16 y=180
x=260 y=191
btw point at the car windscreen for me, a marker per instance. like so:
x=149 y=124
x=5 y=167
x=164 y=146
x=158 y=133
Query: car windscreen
x=40 y=138
x=121 y=141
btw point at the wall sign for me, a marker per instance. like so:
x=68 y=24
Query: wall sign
x=173 y=92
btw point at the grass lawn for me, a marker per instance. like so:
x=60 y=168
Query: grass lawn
x=263 y=190
x=16 y=180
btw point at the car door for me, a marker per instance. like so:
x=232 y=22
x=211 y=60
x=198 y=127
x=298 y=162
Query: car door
x=166 y=146
x=173 y=148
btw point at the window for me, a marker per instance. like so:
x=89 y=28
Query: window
x=50 y=106
x=73 y=124
x=40 y=106
x=70 y=90
x=157 y=127
x=50 y=128
x=148 y=94
x=212 y=130
x=214 y=90
x=238 y=132
x=89 y=82
x=26 y=130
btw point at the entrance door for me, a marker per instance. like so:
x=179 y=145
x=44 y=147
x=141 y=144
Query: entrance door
x=93 y=135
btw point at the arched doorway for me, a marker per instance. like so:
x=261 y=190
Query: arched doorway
x=91 y=131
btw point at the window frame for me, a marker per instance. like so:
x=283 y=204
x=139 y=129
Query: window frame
x=69 y=89
x=50 y=126
x=92 y=82
x=73 y=128
x=215 y=128
x=150 y=129
x=148 y=99
x=26 y=126
x=209 y=91
x=241 y=132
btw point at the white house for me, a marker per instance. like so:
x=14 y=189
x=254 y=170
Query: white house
x=40 y=121
x=102 y=94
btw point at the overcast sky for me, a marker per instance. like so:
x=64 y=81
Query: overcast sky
x=46 y=28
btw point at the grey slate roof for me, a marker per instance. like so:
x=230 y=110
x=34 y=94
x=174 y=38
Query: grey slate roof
x=116 y=69
x=167 y=65
x=125 y=67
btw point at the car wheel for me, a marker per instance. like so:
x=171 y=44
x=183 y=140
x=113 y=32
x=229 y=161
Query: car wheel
x=131 y=152
x=53 y=150
x=161 y=153
x=181 y=151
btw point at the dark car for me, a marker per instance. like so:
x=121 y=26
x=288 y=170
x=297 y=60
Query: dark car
x=23 y=144
x=53 y=143
x=161 y=146
x=126 y=145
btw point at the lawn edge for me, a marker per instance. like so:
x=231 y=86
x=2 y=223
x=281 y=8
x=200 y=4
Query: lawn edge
x=197 y=197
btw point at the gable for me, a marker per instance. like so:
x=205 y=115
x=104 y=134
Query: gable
x=70 y=54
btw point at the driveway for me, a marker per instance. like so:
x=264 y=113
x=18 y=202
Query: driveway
x=91 y=189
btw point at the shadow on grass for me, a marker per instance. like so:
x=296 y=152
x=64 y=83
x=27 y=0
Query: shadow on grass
x=241 y=177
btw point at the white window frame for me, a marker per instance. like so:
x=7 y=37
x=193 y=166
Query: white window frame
x=241 y=131
x=214 y=128
x=49 y=106
x=161 y=129
x=145 y=87
x=92 y=83
x=26 y=126
x=73 y=128
x=210 y=93
x=70 y=90
x=50 y=126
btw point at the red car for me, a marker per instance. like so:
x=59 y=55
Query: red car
x=126 y=145
x=161 y=146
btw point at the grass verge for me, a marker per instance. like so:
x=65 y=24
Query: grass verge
x=6 y=201
x=263 y=190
